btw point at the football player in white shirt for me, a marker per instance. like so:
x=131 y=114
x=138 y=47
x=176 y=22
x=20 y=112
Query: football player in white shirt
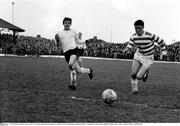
x=68 y=40
x=81 y=47
x=144 y=56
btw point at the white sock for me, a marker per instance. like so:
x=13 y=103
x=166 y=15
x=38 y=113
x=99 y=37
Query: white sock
x=84 y=70
x=73 y=77
x=80 y=62
x=134 y=84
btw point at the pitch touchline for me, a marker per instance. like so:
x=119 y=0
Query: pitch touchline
x=101 y=58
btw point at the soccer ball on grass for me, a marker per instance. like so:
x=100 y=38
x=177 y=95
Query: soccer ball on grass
x=109 y=96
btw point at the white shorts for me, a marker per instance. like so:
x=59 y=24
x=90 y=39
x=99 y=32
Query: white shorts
x=145 y=60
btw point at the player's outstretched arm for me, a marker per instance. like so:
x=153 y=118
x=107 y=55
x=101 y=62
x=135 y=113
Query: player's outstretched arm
x=57 y=38
x=161 y=43
x=58 y=41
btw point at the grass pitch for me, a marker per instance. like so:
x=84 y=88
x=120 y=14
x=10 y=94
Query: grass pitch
x=35 y=90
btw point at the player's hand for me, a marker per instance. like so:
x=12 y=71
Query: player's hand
x=57 y=38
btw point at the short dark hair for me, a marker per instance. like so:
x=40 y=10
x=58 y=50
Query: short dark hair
x=67 y=19
x=139 y=23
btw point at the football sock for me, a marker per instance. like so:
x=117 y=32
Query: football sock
x=84 y=70
x=80 y=62
x=134 y=84
x=73 y=77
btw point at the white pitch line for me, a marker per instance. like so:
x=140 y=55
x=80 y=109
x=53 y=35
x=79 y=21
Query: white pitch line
x=83 y=99
x=86 y=57
x=101 y=58
x=91 y=99
x=124 y=102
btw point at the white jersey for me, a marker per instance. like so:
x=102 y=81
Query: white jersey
x=81 y=44
x=68 y=39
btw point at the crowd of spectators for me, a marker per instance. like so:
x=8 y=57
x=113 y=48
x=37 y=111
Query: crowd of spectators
x=27 y=45
x=35 y=46
x=99 y=48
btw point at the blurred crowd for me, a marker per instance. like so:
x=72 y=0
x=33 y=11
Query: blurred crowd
x=27 y=45
x=115 y=50
x=35 y=46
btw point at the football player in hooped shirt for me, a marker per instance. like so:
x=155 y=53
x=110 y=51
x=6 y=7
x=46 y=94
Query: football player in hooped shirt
x=68 y=40
x=144 y=56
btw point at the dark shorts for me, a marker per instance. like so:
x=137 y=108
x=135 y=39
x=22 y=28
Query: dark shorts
x=70 y=52
x=80 y=52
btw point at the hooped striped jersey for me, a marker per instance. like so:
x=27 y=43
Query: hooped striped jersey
x=145 y=43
